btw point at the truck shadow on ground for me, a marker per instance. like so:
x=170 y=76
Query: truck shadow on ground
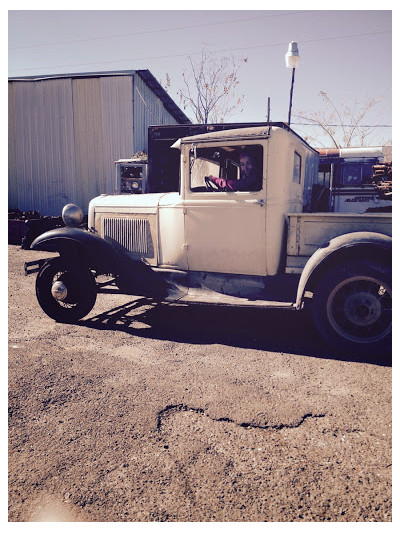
x=269 y=330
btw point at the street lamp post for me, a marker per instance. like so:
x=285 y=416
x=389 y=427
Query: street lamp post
x=292 y=59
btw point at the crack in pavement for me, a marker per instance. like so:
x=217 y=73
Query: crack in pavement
x=181 y=407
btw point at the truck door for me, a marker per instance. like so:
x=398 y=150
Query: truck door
x=225 y=214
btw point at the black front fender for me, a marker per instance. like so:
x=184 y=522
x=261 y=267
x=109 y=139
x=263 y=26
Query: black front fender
x=79 y=245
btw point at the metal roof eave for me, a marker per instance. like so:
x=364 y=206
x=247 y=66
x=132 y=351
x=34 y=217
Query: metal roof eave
x=145 y=75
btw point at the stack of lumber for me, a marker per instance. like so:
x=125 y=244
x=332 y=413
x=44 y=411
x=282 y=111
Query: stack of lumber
x=382 y=179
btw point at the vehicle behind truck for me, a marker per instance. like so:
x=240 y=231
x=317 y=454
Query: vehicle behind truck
x=219 y=241
x=347 y=180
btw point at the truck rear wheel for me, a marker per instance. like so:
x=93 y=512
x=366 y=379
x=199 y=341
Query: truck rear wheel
x=65 y=294
x=352 y=307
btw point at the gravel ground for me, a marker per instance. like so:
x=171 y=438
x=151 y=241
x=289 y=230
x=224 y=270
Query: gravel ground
x=174 y=414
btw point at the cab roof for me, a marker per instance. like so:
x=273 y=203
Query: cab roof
x=254 y=132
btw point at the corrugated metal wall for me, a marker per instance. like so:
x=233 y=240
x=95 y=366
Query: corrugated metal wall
x=12 y=147
x=147 y=111
x=103 y=132
x=66 y=133
x=41 y=164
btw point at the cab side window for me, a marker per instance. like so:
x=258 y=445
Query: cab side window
x=297 y=168
x=226 y=169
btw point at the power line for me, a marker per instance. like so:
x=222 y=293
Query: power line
x=145 y=32
x=211 y=51
x=304 y=41
x=343 y=125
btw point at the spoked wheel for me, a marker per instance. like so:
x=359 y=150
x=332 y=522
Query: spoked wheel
x=65 y=294
x=352 y=307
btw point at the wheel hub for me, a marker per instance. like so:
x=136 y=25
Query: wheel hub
x=362 y=309
x=59 y=290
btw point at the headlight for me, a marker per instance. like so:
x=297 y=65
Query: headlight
x=72 y=215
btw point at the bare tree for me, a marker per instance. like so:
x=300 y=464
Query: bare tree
x=209 y=88
x=342 y=124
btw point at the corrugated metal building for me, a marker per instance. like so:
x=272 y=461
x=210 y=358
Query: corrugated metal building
x=66 y=131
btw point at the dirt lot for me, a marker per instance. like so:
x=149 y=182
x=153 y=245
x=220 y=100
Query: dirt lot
x=143 y=413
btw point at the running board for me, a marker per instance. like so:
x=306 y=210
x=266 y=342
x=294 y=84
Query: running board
x=206 y=297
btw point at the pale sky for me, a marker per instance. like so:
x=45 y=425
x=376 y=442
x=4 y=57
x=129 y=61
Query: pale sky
x=345 y=53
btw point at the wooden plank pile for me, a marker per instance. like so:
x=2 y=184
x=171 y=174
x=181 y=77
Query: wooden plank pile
x=382 y=179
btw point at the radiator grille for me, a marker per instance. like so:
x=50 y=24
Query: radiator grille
x=133 y=234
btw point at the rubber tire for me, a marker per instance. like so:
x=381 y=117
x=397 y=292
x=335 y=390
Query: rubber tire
x=84 y=288
x=322 y=308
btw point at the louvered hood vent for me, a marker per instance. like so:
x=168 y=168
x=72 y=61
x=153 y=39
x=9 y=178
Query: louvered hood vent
x=132 y=234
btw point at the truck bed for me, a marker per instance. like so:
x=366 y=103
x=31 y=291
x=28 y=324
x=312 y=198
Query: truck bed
x=309 y=231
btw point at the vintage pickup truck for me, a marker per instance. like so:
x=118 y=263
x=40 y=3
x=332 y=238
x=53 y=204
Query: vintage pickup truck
x=240 y=232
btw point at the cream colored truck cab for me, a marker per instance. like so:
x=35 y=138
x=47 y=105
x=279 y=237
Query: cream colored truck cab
x=231 y=236
x=210 y=230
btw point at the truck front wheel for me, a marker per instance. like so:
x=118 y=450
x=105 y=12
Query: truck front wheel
x=352 y=307
x=65 y=294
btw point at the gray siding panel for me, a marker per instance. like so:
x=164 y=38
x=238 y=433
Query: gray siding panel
x=148 y=111
x=65 y=133
x=117 y=124
x=103 y=132
x=44 y=146
x=88 y=139
x=12 y=151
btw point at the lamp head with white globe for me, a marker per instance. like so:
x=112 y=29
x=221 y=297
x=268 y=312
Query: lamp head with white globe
x=292 y=59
